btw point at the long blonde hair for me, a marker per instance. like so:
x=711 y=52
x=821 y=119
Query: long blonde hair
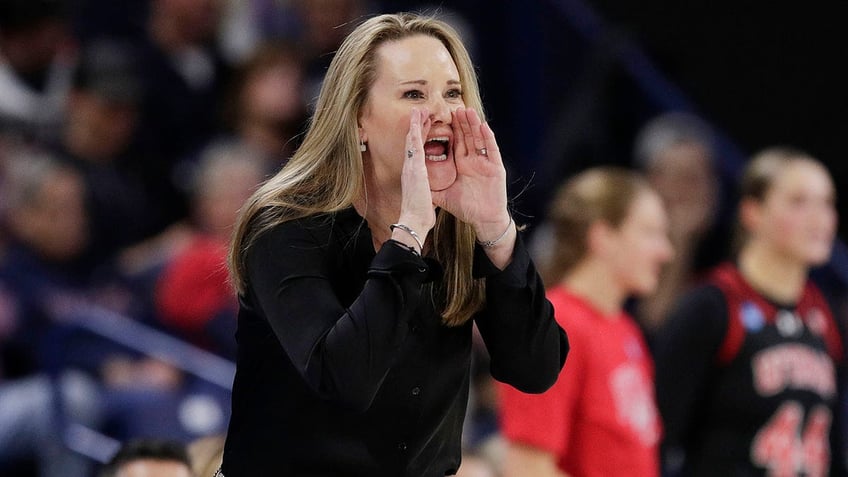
x=326 y=173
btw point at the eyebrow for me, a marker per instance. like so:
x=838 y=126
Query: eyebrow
x=424 y=82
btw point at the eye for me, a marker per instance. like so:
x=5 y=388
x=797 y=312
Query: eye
x=413 y=94
x=454 y=93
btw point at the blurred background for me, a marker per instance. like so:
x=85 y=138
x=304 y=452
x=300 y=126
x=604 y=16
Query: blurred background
x=131 y=132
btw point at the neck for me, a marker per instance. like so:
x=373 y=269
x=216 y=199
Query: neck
x=592 y=281
x=773 y=274
x=380 y=210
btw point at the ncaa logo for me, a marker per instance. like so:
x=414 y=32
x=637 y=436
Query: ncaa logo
x=752 y=317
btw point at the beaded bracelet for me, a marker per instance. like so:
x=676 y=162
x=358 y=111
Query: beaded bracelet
x=411 y=232
x=492 y=243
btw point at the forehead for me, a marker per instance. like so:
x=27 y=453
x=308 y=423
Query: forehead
x=800 y=176
x=414 y=57
x=682 y=156
x=647 y=207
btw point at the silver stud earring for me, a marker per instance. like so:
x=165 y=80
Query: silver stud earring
x=362 y=146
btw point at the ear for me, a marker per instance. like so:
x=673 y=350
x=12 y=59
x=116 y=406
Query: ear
x=750 y=214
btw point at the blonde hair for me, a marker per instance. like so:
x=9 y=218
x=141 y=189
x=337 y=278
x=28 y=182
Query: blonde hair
x=326 y=173
x=760 y=174
x=598 y=194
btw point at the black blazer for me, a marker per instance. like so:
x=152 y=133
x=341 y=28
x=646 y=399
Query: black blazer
x=344 y=367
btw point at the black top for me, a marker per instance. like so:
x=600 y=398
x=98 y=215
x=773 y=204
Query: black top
x=344 y=367
x=745 y=384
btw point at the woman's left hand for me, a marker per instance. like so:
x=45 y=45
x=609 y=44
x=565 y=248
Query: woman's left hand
x=478 y=196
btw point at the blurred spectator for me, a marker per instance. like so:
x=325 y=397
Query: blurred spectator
x=43 y=270
x=246 y=24
x=149 y=458
x=33 y=411
x=41 y=277
x=315 y=26
x=35 y=67
x=181 y=65
x=193 y=296
x=269 y=104
x=97 y=139
x=325 y=23
x=47 y=288
x=677 y=153
x=322 y=25
x=600 y=418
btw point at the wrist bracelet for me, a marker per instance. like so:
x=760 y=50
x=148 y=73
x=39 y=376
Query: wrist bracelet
x=491 y=243
x=408 y=248
x=411 y=232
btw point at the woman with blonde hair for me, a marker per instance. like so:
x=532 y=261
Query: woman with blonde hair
x=746 y=363
x=600 y=418
x=363 y=263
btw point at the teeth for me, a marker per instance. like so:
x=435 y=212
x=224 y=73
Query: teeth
x=439 y=139
x=439 y=158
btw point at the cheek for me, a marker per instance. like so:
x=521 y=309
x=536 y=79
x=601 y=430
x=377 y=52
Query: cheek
x=786 y=227
x=646 y=259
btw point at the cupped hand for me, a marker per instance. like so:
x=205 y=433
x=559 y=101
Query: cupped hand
x=478 y=196
x=416 y=209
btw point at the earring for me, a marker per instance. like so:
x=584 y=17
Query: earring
x=362 y=146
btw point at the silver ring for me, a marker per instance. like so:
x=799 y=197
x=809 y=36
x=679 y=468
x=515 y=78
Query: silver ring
x=410 y=153
x=482 y=151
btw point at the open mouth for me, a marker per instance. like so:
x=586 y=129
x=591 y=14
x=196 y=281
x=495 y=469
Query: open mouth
x=436 y=148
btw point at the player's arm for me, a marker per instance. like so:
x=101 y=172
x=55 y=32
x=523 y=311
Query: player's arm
x=523 y=460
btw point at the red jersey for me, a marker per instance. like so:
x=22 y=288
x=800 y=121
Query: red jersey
x=600 y=418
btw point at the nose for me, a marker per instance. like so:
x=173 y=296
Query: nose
x=440 y=110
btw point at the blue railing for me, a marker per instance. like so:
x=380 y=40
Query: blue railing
x=132 y=335
x=151 y=342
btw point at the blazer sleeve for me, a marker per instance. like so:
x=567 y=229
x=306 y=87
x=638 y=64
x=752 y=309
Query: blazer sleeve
x=343 y=354
x=527 y=347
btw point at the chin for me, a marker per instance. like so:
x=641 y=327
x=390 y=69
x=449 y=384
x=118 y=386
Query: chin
x=818 y=258
x=816 y=254
x=645 y=287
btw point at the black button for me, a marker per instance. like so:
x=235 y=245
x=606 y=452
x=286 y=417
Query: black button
x=416 y=391
x=402 y=446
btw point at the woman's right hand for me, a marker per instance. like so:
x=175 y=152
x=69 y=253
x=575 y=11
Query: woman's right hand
x=417 y=211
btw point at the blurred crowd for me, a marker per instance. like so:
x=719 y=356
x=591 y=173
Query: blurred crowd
x=130 y=135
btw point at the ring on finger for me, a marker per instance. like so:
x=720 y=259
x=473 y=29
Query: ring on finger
x=482 y=151
x=410 y=153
